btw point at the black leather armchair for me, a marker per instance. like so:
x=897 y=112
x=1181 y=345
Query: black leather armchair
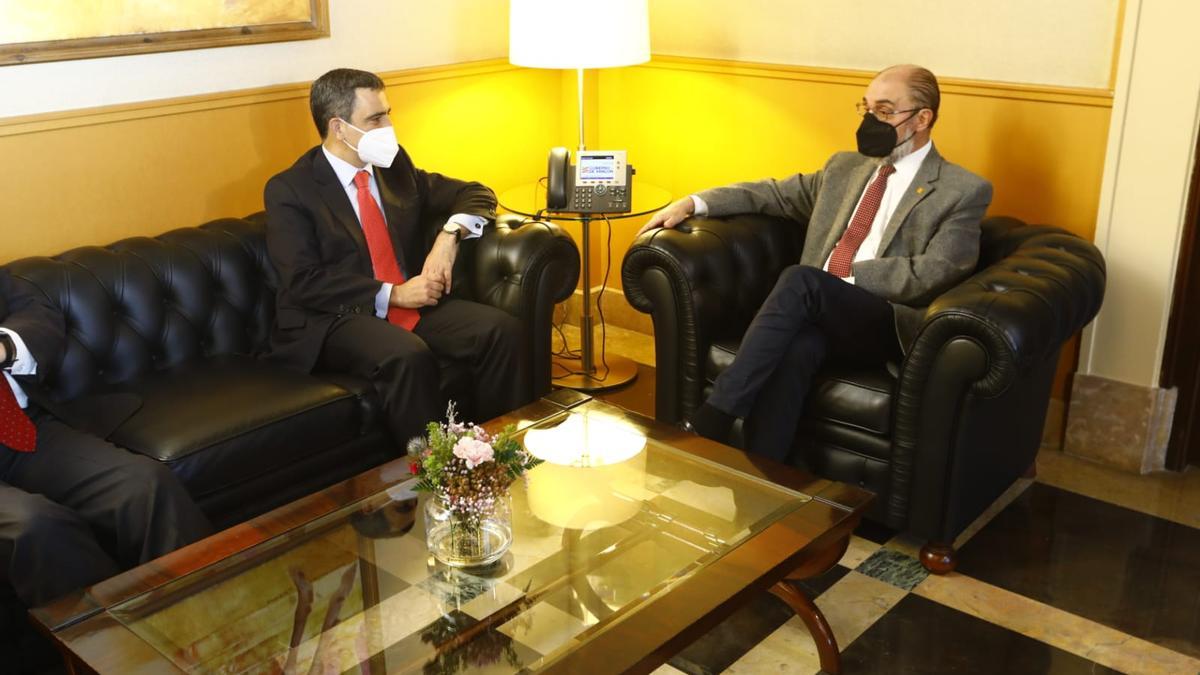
x=938 y=437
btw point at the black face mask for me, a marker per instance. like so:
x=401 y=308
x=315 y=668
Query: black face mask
x=877 y=139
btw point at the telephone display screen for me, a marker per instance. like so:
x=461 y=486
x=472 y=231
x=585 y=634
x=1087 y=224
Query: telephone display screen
x=597 y=167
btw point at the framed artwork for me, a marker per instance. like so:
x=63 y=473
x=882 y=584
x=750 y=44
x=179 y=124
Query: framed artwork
x=55 y=30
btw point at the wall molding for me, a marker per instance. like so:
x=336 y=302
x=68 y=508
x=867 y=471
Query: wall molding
x=1099 y=98
x=86 y=117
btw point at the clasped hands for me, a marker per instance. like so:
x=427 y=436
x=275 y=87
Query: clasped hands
x=426 y=288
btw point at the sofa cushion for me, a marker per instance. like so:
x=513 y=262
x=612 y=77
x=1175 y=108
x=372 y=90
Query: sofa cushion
x=231 y=419
x=856 y=397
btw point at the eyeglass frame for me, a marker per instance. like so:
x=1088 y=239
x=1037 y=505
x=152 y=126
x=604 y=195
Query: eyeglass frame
x=862 y=109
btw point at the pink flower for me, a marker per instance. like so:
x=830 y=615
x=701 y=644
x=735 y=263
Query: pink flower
x=473 y=452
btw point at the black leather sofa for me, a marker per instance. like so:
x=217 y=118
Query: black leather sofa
x=162 y=338
x=938 y=437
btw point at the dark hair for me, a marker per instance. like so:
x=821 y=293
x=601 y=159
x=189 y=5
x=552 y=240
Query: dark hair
x=333 y=94
x=924 y=91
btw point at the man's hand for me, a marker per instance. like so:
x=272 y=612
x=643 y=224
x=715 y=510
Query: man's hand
x=439 y=264
x=674 y=214
x=419 y=291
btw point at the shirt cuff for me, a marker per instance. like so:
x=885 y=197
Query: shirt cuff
x=699 y=206
x=23 y=363
x=472 y=224
x=383 y=299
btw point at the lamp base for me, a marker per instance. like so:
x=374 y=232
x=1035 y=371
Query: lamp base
x=620 y=371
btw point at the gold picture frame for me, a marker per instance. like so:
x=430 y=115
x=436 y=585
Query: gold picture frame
x=56 y=30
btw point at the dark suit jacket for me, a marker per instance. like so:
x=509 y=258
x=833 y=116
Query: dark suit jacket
x=26 y=311
x=930 y=244
x=319 y=250
x=43 y=329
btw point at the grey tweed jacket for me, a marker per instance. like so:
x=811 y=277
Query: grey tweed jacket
x=930 y=244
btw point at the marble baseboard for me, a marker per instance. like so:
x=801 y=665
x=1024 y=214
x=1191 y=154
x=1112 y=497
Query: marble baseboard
x=1125 y=426
x=617 y=310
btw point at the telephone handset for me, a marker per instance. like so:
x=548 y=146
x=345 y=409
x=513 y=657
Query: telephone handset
x=600 y=183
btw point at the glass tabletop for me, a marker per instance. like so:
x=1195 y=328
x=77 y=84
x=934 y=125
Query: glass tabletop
x=609 y=522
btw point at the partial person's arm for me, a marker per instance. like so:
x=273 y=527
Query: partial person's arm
x=295 y=252
x=951 y=255
x=37 y=328
x=791 y=198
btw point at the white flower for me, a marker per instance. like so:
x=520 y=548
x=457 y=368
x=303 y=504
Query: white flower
x=473 y=452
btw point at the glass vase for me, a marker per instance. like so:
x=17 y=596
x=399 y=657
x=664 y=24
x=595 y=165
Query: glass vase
x=458 y=541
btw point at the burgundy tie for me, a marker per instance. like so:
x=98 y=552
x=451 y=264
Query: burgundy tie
x=379 y=243
x=860 y=225
x=16 y=429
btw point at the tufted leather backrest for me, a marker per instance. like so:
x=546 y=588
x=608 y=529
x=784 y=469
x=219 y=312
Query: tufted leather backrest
x=144 y=304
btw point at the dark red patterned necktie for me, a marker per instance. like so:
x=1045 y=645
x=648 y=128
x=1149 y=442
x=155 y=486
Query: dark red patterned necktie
x=16 y=429
x=379 y=243
x=843 y=254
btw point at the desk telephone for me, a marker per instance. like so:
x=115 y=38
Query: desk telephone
x=600 y=183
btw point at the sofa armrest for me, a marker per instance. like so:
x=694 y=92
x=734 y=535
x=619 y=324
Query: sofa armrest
x=699 y=282
x=974 y=387
x=525 y=268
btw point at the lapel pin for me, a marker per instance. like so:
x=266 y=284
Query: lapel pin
x=920 y=190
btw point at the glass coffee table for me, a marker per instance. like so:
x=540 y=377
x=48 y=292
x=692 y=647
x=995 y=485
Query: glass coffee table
x=632 y=540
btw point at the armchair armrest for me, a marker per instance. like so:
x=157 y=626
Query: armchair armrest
x=973 y=389
x=525 y=268
x=699 y=282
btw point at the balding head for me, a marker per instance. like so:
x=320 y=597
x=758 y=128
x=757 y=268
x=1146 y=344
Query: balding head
x=923 y=90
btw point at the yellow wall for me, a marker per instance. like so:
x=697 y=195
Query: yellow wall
x=94 y=176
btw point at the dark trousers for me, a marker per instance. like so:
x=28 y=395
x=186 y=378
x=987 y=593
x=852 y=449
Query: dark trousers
x=403 y=365
x=809 y=316
x=79 y=510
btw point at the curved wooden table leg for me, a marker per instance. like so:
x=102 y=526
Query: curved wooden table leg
x=818 y=627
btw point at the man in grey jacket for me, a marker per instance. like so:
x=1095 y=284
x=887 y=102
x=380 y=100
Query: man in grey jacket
x=889 y=229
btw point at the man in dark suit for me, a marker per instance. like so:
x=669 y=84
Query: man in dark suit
x=365 y=254
x=74 y=509
x=889 y=228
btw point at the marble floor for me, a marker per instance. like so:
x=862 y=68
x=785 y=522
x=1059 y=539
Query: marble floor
x=1083 y=569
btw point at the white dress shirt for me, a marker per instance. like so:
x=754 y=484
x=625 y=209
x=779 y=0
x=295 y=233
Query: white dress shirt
x=24 y=364
x=897 y=185
x=345 y=172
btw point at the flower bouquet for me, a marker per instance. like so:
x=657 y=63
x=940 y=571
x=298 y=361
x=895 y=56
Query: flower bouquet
x=468 y=519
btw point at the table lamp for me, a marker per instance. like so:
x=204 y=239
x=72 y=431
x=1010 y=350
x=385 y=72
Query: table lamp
x=582 y=34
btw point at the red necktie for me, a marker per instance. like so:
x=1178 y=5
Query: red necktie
x=860 y=224
x=16 y=429
x=379 y=243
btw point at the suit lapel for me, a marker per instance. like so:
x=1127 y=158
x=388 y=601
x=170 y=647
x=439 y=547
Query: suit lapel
x=922 y=185
x=334 y=195
x=856 y=182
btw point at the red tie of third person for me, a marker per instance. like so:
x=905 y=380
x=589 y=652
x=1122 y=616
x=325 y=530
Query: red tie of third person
x=16 y=429
x=843 y=254
x=379 y=243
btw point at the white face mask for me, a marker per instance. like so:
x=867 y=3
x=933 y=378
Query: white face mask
x=377 y=146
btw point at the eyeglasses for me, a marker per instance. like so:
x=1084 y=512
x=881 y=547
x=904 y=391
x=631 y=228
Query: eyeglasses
x=881 y=115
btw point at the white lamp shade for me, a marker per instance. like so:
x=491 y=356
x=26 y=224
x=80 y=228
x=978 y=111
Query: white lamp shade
x=578 y=33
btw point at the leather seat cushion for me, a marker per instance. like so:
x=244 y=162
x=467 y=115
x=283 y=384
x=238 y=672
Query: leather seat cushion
x=855 y=397
x=231 y=419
